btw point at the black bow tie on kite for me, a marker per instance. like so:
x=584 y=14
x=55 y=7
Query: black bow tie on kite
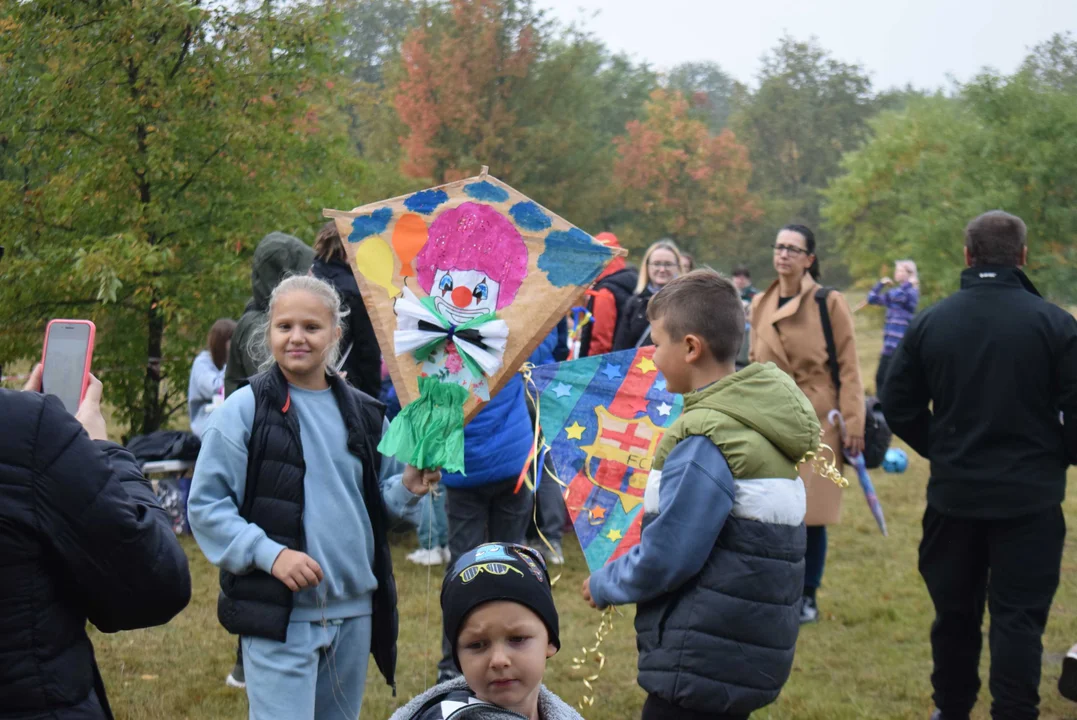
x=421 y=329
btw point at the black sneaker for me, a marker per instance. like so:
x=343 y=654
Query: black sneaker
x=236 y=678
x=809 y=611
x=1067 y=684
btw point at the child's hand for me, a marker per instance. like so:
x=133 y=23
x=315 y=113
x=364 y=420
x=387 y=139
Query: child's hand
x=297 y=570
x=587 y=593
x=420 y=482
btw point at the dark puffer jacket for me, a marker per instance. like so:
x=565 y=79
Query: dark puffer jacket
x=633 y=327
x=258 y=604
x=81 y=538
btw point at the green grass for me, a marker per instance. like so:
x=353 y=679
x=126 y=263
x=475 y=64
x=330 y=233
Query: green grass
x=868 y=658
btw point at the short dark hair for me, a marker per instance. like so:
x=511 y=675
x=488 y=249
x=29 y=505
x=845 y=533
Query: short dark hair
x=217 y=341
x=702 y=303
x=996 y=238
x=742 y=271
x=327 y=244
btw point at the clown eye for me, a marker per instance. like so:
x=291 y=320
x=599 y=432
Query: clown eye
x=481 y=292
x=446 y=284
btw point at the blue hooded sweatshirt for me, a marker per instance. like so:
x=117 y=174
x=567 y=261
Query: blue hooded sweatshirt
x=497 y=441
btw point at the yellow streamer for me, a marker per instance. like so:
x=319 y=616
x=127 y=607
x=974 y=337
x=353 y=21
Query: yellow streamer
x=593 y=656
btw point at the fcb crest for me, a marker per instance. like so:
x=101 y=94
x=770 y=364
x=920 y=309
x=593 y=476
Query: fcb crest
x=619 y=458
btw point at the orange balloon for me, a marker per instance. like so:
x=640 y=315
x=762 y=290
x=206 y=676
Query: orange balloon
x=409 y=236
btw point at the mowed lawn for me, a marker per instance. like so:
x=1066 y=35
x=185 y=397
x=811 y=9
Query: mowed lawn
x=868 y=658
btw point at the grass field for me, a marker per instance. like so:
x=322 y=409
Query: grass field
x=868 y=658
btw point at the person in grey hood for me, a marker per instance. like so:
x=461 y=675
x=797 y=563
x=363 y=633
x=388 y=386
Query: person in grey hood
x=277 y=256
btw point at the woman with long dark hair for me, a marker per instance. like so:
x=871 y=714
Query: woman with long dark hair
x=787 y=329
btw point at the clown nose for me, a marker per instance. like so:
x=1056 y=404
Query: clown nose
x=461 y=297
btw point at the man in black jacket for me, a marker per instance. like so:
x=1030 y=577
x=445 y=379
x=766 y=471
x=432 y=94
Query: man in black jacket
x=81 y=538
x=997 y=365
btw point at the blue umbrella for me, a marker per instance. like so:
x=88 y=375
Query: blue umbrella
x=869 y=490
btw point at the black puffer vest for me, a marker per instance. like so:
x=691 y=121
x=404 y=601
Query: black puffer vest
x=717 y=643
x=259 y=605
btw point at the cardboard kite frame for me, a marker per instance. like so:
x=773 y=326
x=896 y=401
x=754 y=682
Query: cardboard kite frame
x=404 y=368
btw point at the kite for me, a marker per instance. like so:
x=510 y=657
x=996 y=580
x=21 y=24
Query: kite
x=603 y=418
x=461 y=282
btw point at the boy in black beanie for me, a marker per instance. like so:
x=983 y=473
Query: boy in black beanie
x=498 y=612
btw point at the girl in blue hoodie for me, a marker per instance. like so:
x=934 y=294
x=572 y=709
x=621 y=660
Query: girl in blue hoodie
x=288 y=500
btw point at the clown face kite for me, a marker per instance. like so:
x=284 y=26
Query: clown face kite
x=462 y=282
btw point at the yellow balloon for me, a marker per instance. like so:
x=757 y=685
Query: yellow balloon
x=374 y=258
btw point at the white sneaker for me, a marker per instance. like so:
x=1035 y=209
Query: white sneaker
x=554 y=557
x=446 y=556
x=426 y=557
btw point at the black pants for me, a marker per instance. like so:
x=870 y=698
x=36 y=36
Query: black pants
x=658 y=709
x=880 y=374
x=1013 y=564
x=487 y=513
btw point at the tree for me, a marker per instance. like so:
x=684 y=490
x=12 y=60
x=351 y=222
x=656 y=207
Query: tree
x=495 y=83
x=708 y=88
x=1006 y=143
x=682 y=181
x=809 y=110
x=156 y=143
x=463 y=64
x=1054 y=63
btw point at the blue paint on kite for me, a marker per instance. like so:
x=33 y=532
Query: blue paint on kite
x=425 y=201
x=373 y=224
x=486 y=191
x=572 y=257
x=529 y=216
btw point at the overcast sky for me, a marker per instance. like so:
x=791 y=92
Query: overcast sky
x=897 y=41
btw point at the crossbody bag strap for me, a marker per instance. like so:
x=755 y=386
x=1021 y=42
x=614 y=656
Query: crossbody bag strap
x=828 y=333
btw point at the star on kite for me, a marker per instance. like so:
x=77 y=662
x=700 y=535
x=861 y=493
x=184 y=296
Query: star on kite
x=660 y=384
x=598 y=512
x=646 y=365
x=575 y=432
x=665 y=409
x=613 y=372
x=561 y=390
x=614 y=535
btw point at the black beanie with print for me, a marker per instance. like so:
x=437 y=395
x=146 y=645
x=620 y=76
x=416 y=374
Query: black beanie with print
x=497 y=571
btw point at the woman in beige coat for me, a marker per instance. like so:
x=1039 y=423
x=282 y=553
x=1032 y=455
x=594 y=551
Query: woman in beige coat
x=787 y=330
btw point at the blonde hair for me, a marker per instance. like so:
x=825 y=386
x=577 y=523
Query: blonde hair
x=910 y=266
x=644 y=271
x=322 y=291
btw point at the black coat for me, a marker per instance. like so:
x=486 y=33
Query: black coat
x=259 y=605
x=998 y=364
x=81 y=538
x=633 y=323
x=363 y=363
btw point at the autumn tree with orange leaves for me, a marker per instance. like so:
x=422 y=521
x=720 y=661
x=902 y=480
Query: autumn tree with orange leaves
x=461 y=73
x=680 y=180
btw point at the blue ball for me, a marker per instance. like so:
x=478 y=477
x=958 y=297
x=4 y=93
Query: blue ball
x=895 y=461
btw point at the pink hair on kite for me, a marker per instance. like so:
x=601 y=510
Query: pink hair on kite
x=475 y=237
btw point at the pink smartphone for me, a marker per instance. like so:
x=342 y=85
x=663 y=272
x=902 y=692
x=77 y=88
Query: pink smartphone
x=66 y=360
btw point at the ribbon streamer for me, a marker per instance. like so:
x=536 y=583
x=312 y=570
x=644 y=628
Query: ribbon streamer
x=422 y=329
x=593 y=655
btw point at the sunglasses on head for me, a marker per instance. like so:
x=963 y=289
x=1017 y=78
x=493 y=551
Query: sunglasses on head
x=495 y=568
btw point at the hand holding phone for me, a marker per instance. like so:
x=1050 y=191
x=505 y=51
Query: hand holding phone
x=66 y=361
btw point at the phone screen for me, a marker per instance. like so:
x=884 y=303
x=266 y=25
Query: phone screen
x=65 y=361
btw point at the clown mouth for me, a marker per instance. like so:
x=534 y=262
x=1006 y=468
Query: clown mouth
x=458 y=316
